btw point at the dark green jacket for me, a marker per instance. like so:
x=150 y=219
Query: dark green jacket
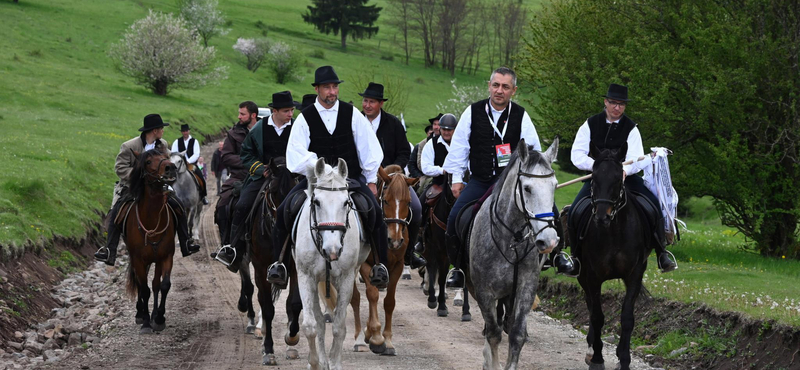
x=256 y=154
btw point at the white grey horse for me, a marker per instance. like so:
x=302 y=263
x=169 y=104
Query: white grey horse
x=186 y=190
x=328 y=249
x=513 y=226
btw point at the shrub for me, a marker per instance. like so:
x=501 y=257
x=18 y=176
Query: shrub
x=284 y=61
x=463 y=96
x=319 y=54
x=160 y=53
x=254 y=49
x=388 y=57
x=204 y=17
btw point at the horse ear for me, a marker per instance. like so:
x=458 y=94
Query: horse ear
x=319 y=168
x=622 y=152
x=594 y=152
x=342 y=167
x=383 y=175
x=523 y=150
x=552 y=151
x=412 y=181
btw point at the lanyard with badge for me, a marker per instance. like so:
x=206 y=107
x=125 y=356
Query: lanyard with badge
x=502 y=151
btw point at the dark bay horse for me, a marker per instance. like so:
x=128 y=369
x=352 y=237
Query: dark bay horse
x=436 y=250
x=395 y=198
x=149 y=234
x=277 y=185
x=615 y=246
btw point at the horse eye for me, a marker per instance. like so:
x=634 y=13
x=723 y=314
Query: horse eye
x=528 y=189
x=148 y=161
x=316 y=202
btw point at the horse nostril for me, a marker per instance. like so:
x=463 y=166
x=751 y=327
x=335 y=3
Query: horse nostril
x=540 y=244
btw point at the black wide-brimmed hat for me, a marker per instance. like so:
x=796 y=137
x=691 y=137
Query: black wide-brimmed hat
x=436 y=118
x=282 y=99
x=617 y=92
x=374 y=91
x=185 y=127
x=152 y=122
x=325 y=75
x=308 y=100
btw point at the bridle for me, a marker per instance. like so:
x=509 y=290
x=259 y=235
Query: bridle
x=403 y=222
x=616 y=204
x=317 y=227
x=153 y=177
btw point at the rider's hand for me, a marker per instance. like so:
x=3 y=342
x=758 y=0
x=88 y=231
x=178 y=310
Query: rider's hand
x=624 y=175
x=373 y=188
x=456 y=188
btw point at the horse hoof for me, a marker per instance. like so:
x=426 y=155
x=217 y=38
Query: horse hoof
x=257 y=333
x=432 y=305
x=139 y=321
x=269 y=360
x=466 y=317
x=377 y=348
x=250 y=329
x=425 y=291
x=242 y=306
x=147 y=330
x=292 y=354
x=441 y=313
x=360 y=348
x=389 y=352
x=597 y=366
x=328 y=318
x=588 y=359
x=457 y=302
x=159 y=327
x=291 y=341
x=406 y=276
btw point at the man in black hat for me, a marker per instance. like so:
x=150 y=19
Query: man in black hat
x=267 y=140
x=610 y=129
x=332 y=129
x=190 y=149
x=308 y=100
x=392 y=137
x=486 y=129
x=150 y=138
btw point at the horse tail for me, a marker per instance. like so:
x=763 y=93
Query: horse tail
x=132 y=285
x=644 y=293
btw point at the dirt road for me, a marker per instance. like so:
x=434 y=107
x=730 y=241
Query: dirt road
x=205 y=330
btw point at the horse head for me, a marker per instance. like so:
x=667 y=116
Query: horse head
x=608 y=189
x=395 y=199
x=534 y=184
x=180 y=162
x=330 y=207
x=152 y=169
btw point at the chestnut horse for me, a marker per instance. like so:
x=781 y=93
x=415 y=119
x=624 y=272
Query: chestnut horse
x=149 y=234
x=395 y=198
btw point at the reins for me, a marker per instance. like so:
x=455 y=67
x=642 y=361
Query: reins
x=403 y=222
x=328 y=226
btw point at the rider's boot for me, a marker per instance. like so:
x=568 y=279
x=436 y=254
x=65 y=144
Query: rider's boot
x=413 y=259
x=108 y=254
x=277 y=274
x=183 y=237
x=665 y=264
x=566 y=265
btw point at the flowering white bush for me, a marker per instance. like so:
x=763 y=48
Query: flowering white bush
x=204 y=17
x=284 y=61
x=160 y=53
x=254 y=49
x=463 y=96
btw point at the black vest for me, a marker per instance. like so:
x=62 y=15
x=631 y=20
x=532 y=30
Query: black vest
x=182 y=147
x=439 y=154
x=482 y=140
x=609 y=136
x=340 y=144
x=274 y=145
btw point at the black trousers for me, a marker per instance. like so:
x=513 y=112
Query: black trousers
x=246 y=199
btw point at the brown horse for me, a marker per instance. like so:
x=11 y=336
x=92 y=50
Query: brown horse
x=395 y=198
x=149 y=234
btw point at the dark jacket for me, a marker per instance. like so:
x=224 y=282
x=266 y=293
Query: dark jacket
x=230 y=155
x=393 y=140
x=413 y=168
x=216 y=163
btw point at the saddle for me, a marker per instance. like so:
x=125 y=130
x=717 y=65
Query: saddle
x=198 y=180
x=432 y=194
x=363 y=207
x=581 y=214
x=466 y=217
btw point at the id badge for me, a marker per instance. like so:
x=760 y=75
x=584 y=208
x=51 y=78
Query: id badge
x=503 y=154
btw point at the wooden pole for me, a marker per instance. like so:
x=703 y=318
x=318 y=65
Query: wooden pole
x=589 y=176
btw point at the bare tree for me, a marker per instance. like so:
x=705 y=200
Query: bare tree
x=399 y=14
x=424 y=18
x=509 y=28
x=452 y=26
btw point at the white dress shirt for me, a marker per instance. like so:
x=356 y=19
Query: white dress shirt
x=370 y=154
x=376 y=123
x=195 y=150
x=428 y=155
x=278 y=130
x=580 y=149
x=458 y=157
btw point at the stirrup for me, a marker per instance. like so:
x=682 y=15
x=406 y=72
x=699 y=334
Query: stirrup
x=673 y=259
x=571 y=260
x=221 y=251
x=277 y=265
x=450 y=275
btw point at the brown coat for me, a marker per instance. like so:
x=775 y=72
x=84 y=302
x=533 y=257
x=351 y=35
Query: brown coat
x=230 y=155
x=126 y=157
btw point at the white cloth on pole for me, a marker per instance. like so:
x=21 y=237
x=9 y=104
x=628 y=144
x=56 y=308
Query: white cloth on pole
x=658 y=180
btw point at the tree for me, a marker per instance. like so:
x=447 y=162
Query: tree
x=254 y=49
x=714 y=81
x=400 y=11
x=160 y=53
x=204 y=18
x=423 y=18
x=462 y=97
x=346 y=17
x=284 y=61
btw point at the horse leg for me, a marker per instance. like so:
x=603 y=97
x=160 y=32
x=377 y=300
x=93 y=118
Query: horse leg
x=517 y=321
x=246 y=296
x=373 y=333
x=158 y=314
x=313 y=323
x=492 y=332
x=144 y=299
x=633 y=286
x=465 y=315
x=388 y=306
x=294 y=306
x=339 y=325
x=267 y=314
x=596 y=320
x=355 y=303
x=137 y=269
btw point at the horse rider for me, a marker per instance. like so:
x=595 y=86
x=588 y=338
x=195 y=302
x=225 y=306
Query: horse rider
x=150 y=138
x=190 y=149
x=487 y=129
x=610 y=129
x=248 y=116
x=433 y=156
x=332 y=129
x=396 y=150
x=267 y=140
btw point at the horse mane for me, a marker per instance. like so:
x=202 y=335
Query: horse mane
x=136 y=177
x=534 y=158
x=326 y=178
x=283 y=181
